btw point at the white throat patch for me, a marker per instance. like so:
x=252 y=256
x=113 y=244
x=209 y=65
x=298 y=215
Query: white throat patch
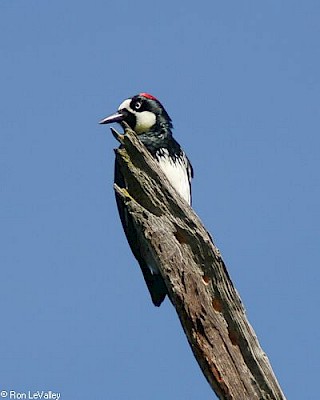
x=145 y=120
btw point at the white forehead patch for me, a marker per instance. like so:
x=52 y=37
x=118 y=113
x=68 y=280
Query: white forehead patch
x=125 y=104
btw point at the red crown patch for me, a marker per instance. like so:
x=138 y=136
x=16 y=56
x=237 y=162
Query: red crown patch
x=148 y=96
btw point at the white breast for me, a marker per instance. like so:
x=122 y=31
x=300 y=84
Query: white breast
x=178 y=173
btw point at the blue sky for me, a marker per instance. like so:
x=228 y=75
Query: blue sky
x=241 y=83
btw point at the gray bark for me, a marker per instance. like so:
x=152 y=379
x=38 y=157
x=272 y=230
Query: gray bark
x=207 y=303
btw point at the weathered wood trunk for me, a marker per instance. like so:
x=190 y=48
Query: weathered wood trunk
x=208 y=305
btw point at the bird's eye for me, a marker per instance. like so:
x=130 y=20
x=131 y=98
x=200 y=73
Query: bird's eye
x=137 y=105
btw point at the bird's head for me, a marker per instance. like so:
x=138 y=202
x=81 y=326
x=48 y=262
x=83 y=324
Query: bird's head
x=143 y=113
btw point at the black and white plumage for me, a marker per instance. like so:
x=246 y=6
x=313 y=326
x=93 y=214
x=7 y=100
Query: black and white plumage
x=148 y=118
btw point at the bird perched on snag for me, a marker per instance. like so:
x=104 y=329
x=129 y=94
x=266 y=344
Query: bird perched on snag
x=147 y=117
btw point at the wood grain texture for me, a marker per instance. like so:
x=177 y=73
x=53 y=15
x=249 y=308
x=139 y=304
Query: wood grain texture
x=208 y=305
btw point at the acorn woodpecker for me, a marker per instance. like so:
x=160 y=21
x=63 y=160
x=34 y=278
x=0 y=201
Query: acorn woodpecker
x=150 y=121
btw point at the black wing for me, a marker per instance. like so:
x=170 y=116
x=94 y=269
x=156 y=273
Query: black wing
x=155 y=282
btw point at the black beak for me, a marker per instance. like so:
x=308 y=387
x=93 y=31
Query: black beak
x=119 y=116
